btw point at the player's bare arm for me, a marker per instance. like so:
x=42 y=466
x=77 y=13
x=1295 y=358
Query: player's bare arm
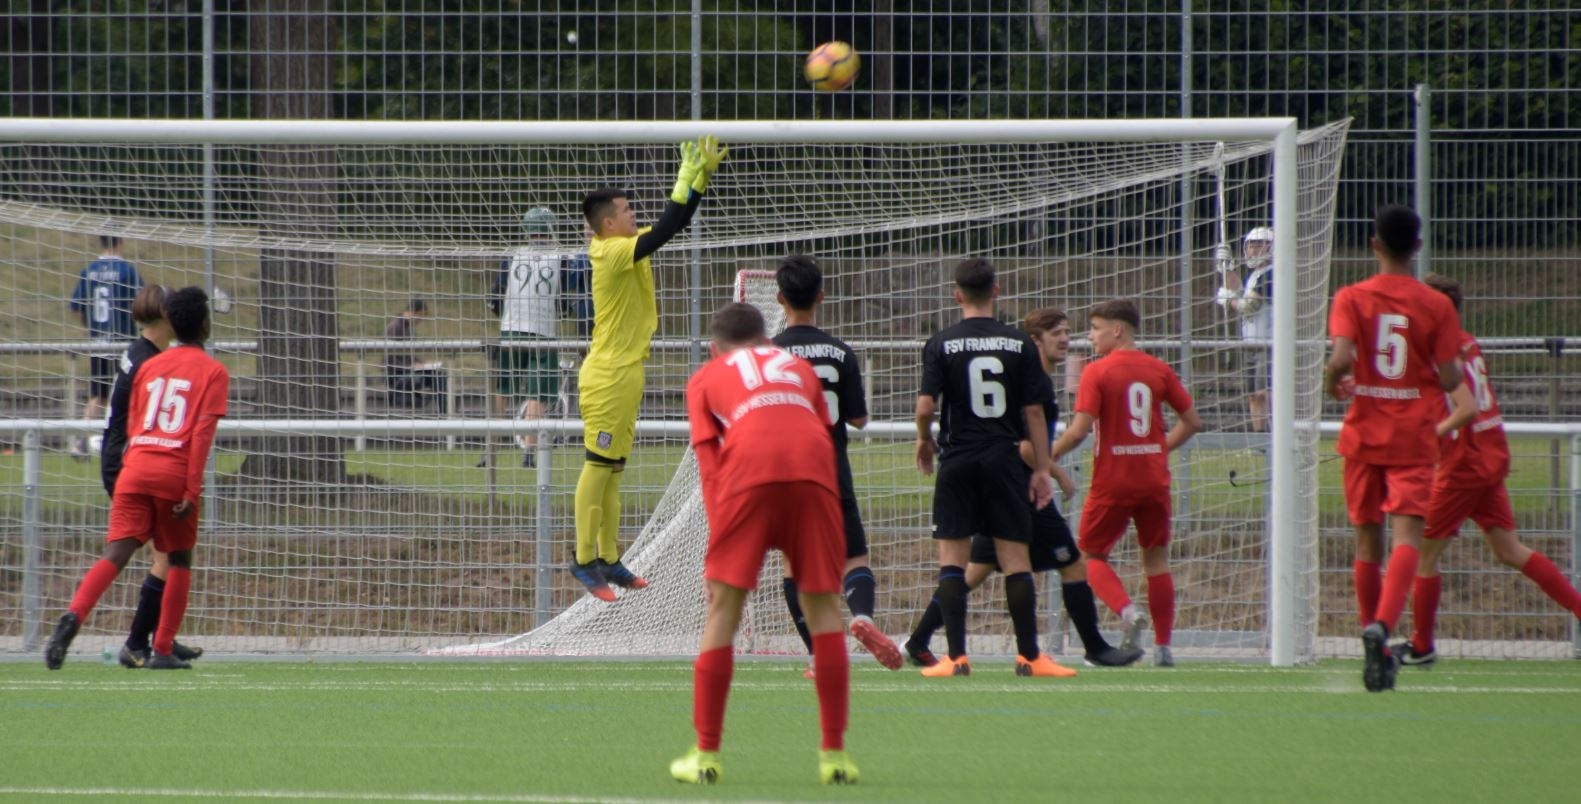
x=859 y=422
x=1463 y=408
x=1040 y=487
x=1338 y=366
x=1187 y=424
x=1075 y=433
x=926 y=408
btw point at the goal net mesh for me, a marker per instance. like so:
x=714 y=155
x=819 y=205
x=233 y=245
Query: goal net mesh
x=365 y=540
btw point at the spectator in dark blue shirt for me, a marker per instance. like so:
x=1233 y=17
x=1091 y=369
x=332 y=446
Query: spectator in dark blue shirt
x=102 y=300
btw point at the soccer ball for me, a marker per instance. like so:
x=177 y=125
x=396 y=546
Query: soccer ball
x=832 y=66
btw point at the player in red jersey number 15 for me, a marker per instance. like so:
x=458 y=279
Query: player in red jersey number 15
x=178 y=398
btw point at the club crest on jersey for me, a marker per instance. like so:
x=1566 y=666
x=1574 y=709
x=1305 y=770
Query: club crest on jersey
x=605 y=440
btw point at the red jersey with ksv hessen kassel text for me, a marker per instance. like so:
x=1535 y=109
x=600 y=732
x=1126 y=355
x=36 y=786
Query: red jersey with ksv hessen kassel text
x=1402 y=330
x=178 y=397
x=1477 y=455
x=1124 y=390
x=766 y=407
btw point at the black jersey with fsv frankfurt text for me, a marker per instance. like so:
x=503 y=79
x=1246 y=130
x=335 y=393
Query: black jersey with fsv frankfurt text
x=983 y=373
x=841 y=375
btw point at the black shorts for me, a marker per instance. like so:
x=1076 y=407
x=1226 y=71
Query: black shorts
x=101 y=375
x=1052 y=546
x=983 y=493
x=855 y=535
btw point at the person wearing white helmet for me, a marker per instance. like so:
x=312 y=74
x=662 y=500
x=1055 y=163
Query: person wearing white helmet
x=528 y=292
x=1250 y=297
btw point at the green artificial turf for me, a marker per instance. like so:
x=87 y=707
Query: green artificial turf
x=584 y=731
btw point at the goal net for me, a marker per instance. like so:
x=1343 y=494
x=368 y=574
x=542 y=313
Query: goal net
x=349 y=515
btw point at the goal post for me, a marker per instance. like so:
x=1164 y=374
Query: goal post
x=1072 y=212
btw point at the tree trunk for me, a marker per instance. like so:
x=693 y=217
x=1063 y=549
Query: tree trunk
x=298 y=355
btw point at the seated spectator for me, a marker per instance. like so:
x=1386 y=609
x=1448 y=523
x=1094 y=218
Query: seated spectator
x=413 y=383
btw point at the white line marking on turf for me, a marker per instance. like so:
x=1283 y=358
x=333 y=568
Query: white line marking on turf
x=330 y=795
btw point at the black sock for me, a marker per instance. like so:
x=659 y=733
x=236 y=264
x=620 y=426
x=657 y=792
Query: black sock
x=1083 y=613
x=860 y=589
x=951 y=597
x=793 y=603
x=932 y=620
x=147 y=617
x=1021 y=598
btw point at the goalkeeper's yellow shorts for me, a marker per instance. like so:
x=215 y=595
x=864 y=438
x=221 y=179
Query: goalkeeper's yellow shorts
x=609 y=399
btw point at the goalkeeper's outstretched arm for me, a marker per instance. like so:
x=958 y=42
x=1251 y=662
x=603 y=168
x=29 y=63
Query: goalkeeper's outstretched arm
x=699 y=161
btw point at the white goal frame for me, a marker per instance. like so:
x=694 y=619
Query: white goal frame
x=1281 y=132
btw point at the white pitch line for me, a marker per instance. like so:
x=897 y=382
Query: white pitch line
x=1327 y=685
x=330 y=795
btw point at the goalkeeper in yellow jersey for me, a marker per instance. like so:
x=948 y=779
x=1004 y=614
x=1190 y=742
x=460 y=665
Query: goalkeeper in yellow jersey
x=625 y=316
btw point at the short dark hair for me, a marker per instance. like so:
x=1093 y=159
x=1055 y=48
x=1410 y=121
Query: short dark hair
x=417 y=306
x=187 y=310
x=109 y=241
x=800 y=280
x=975 y=278
x=1118 y=310
x=149 y=306
x=1446 y=286
x=1043 y=320
x=600 y=204
x=1397 y=228
x=737 y=322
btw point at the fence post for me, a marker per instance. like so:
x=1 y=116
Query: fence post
x=1555 y=347
x=1575 y=534
x=1423 y=178
x=543 y=572
x=32 y=605
x=361 y=441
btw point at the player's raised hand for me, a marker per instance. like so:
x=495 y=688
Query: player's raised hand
x=181 y=509
x=710 y=153
x=925 y=450
x=691 y=168
x=1040 y=489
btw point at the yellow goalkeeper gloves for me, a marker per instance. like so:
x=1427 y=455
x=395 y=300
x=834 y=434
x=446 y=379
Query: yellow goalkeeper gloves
x=691 y=166
x=709 y=154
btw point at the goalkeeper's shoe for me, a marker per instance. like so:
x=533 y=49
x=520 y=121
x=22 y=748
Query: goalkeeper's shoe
x=1113 y=657
x=185 y=653
x=133 y=659
x=882 y=647
x=1042 y=667
x=60 y=640
x=1133 y=630
x=617 y=574
x=920 y=655
x=949 y=667
x=1406 y=653
x=697 y=767
x=592 y=576
x=168 y=661
x=836 y=767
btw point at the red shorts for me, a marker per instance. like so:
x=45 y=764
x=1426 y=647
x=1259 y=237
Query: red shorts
x=1372 y=491
x=802 y=519
x=143 y=517
x=1103 y=524
x=1488 y=506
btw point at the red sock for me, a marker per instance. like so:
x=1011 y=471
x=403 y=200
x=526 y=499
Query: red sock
x=832 y=671
x=172 y=608
x=1107 y=586
x=1424 y=611
x=98 y=579
x=1553 y=582
x=1397 y=582
x=1161 y=604
x=1368 y=586
x=710 y=687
